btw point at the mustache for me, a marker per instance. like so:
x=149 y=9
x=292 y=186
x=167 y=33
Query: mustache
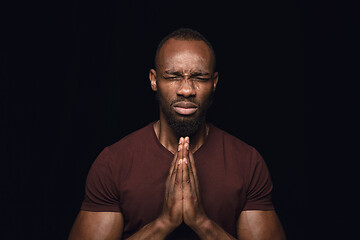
x=183 y=99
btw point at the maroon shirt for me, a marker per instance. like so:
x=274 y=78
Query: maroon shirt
x=129 y=177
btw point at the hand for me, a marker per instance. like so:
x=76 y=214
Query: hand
x=171 y=214
x=193 y=212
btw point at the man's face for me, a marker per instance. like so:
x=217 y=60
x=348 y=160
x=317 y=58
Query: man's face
x=184 y=82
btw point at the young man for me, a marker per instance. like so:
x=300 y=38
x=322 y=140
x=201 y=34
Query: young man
x=180 y=177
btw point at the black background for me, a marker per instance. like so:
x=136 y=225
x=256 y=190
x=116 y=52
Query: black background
x=74 y=79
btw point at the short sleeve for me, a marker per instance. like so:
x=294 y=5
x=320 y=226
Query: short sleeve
x=101 y=194
x=260 y=185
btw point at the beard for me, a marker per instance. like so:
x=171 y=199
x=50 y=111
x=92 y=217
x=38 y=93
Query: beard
x=184 y=125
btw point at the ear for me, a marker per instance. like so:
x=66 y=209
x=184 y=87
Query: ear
x=216 y=79
x=152 y=77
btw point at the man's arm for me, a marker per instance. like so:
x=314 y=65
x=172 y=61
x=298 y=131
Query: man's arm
x=193 y=212
x=252 y=225
x=109 y=225
x=259 y=225
x=97 y=225
x=171 y=216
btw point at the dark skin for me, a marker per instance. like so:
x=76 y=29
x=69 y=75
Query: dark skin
x=184 y=69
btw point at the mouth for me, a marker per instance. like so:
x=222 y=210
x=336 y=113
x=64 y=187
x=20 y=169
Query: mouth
x=185 y=108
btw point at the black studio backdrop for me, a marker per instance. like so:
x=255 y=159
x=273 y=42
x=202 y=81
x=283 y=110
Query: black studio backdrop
x=74 y=79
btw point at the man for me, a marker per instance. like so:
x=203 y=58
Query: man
x=180 y=177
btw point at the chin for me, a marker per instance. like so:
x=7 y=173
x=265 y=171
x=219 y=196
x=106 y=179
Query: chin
x=184 y=125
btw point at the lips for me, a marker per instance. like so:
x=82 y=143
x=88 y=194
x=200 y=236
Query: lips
x=185 y=108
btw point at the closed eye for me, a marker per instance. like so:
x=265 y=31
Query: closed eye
x=201 y=79
x=195 y=76
x=173 y=78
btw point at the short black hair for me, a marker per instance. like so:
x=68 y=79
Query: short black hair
x=186 y=34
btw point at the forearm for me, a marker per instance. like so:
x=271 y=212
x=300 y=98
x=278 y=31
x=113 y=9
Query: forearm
x=154 y=230
x=208 y=230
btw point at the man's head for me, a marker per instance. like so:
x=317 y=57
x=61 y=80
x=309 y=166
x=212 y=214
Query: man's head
x=184 y=79
x=185 y=34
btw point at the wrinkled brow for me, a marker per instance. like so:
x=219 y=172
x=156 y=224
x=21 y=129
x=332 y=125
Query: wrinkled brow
x=193 y=74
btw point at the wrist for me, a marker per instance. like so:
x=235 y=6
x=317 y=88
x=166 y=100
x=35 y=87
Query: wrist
x=164 y=226
x=202 y=225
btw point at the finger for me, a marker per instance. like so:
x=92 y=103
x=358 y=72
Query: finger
x=171 y=172
x=173 y=181
x=189 y=182
x=187 y=147
x=187 y=185
x=185 y=155
x=192 y=164
x=193 y=173
x=177 y=157
x=172 y=166
x=181 y=150
x=178 y=177
x=177 y=162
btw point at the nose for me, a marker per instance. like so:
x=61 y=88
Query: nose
x=187 y=88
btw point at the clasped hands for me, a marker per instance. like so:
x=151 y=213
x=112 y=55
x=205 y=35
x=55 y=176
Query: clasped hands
x=182 y=199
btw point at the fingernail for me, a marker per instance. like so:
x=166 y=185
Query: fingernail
x=180 y=141
x=179 y=148
x=187 y=139
x=186 y=160
x=180 y=161
x=187 y=147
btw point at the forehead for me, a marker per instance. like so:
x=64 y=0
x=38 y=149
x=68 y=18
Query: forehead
x=185 y=55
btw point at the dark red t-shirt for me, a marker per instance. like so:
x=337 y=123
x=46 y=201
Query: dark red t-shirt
x=129 y=177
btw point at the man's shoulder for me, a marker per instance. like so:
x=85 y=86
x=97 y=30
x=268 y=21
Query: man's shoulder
x=230 y=139
x=237 y=149
x=119 y=152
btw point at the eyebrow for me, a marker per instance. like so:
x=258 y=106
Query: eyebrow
x=176 y=73
x=193 y=74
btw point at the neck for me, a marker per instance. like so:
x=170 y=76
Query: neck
x=170 y=140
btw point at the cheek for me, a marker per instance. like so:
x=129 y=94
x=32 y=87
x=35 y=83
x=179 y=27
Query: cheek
x=167 y=91
x=204 y=91
x=170 y=86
